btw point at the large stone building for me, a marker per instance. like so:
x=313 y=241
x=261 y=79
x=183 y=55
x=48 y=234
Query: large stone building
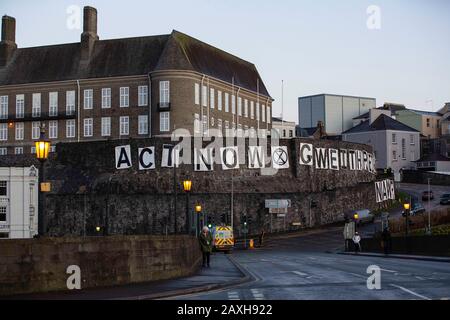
x=123 y=88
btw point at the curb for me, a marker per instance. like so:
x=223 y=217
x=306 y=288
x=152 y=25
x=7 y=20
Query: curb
x=398 y=256
x=183 y=292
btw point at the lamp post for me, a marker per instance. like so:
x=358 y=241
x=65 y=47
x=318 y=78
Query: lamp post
x=187 y=186
x=198 y=210
x=406 y=206
x=42 y=150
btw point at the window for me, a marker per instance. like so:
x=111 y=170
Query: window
x=3 y=151
x=269 y=116
x=18 y=150
x=246 y=108
x=142 y=96
x=33 y=150
x=19 y=130
x=124 y=126
x=233 y=104
x=240 y=106
x=106 y=126
x=204 y=96
x=284 y=133
x=394 y=138
x=3 y=189
x=88 y=99
x=211 y=98
x=257 y=111
x=53 y=104
x=3 y=210
x=263 y=113
x=252 y=110
x=219 y=125
x=53 y=129
x=35 y=130
x=291 y=133
x=196 y=123
x=219 y=100
x=413 y=156
x=428 y=122
x=143 y=124
x=227 y=124
x=205 y=125
x=70 y=128
x=88 y=127
x=197 y=94
x=4 y=107
x=164 y=93
x=211 y=122
x=70 y=102
x=20 y=106
x=227 y=103
x=106 y=98
x=411 y=139
x=52 y=148
x=394 y=155
x=36 y=105
x=124 y=97
x=164 y=122
x=404 y=149
x=3 y=131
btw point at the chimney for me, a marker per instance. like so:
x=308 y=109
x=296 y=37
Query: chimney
x=89 y=35
x=8 y=44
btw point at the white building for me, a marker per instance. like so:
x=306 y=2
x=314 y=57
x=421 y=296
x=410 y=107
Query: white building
x=18 y=202
x=286 y=129
x=395 y=145
x=335 y=111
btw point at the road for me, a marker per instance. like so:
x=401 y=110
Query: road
x=308 y=268
x=417 y=189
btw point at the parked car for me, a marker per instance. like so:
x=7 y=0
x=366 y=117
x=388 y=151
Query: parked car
x=427 y=195
x=362 y=216
x=416 y=209
x=445 y=199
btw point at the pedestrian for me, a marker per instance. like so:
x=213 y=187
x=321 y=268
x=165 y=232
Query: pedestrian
x=206 y=240
x=386 y=238
x=261 y=237
x=356 y=240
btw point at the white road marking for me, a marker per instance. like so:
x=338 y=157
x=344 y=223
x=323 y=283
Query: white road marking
x=420 y=278
x=387 y=270
x=299 y=273
x=357 y=275
x=233 y=295
x=411 y=292
x=257 y=294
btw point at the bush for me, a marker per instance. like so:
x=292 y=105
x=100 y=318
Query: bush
x=439 y=218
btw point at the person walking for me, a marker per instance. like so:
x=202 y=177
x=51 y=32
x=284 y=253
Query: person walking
x=386 y=237
x=356 y=240
x=206 y=240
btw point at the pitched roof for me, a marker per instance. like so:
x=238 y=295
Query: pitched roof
x=362 y=116
x=129 y=56
x=424 y=113
x=383 y=122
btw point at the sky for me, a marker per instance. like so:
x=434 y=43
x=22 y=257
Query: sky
x=392 y=50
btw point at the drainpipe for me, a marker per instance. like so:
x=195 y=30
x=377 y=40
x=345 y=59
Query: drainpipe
x=237 y=107
x=78 y=111
x=149 y=100
x=201 y=105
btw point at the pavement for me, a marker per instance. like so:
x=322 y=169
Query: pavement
x=304 y=266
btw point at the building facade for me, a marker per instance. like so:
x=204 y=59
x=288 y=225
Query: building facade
x=335 y=111
x=396 y=146
x=428 y=123
x=285 y=129
x=124 y=88
x=18 y=202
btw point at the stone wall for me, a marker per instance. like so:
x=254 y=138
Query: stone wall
x=40 y=265
x=87 y=191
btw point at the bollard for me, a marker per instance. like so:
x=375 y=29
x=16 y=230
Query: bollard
x=252 y=244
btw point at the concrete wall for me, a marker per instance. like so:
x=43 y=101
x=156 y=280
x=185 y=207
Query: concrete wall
x=40 y=265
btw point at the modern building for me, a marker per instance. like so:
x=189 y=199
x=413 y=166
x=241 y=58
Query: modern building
x=428 y=123
x=395 y=145
x=445 y=130
x=286 y=129
x=434 y=162
x=124 y=88
x=335 y=111
x=18 y=202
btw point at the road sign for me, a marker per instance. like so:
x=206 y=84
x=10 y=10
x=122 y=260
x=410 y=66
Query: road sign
x=349 y=230
x=278 y=203
x=278 y=210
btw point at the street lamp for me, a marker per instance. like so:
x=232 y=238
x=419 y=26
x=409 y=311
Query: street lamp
x=42 y=150
x=198 y=210
x=406 y=206
x=187 y=186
